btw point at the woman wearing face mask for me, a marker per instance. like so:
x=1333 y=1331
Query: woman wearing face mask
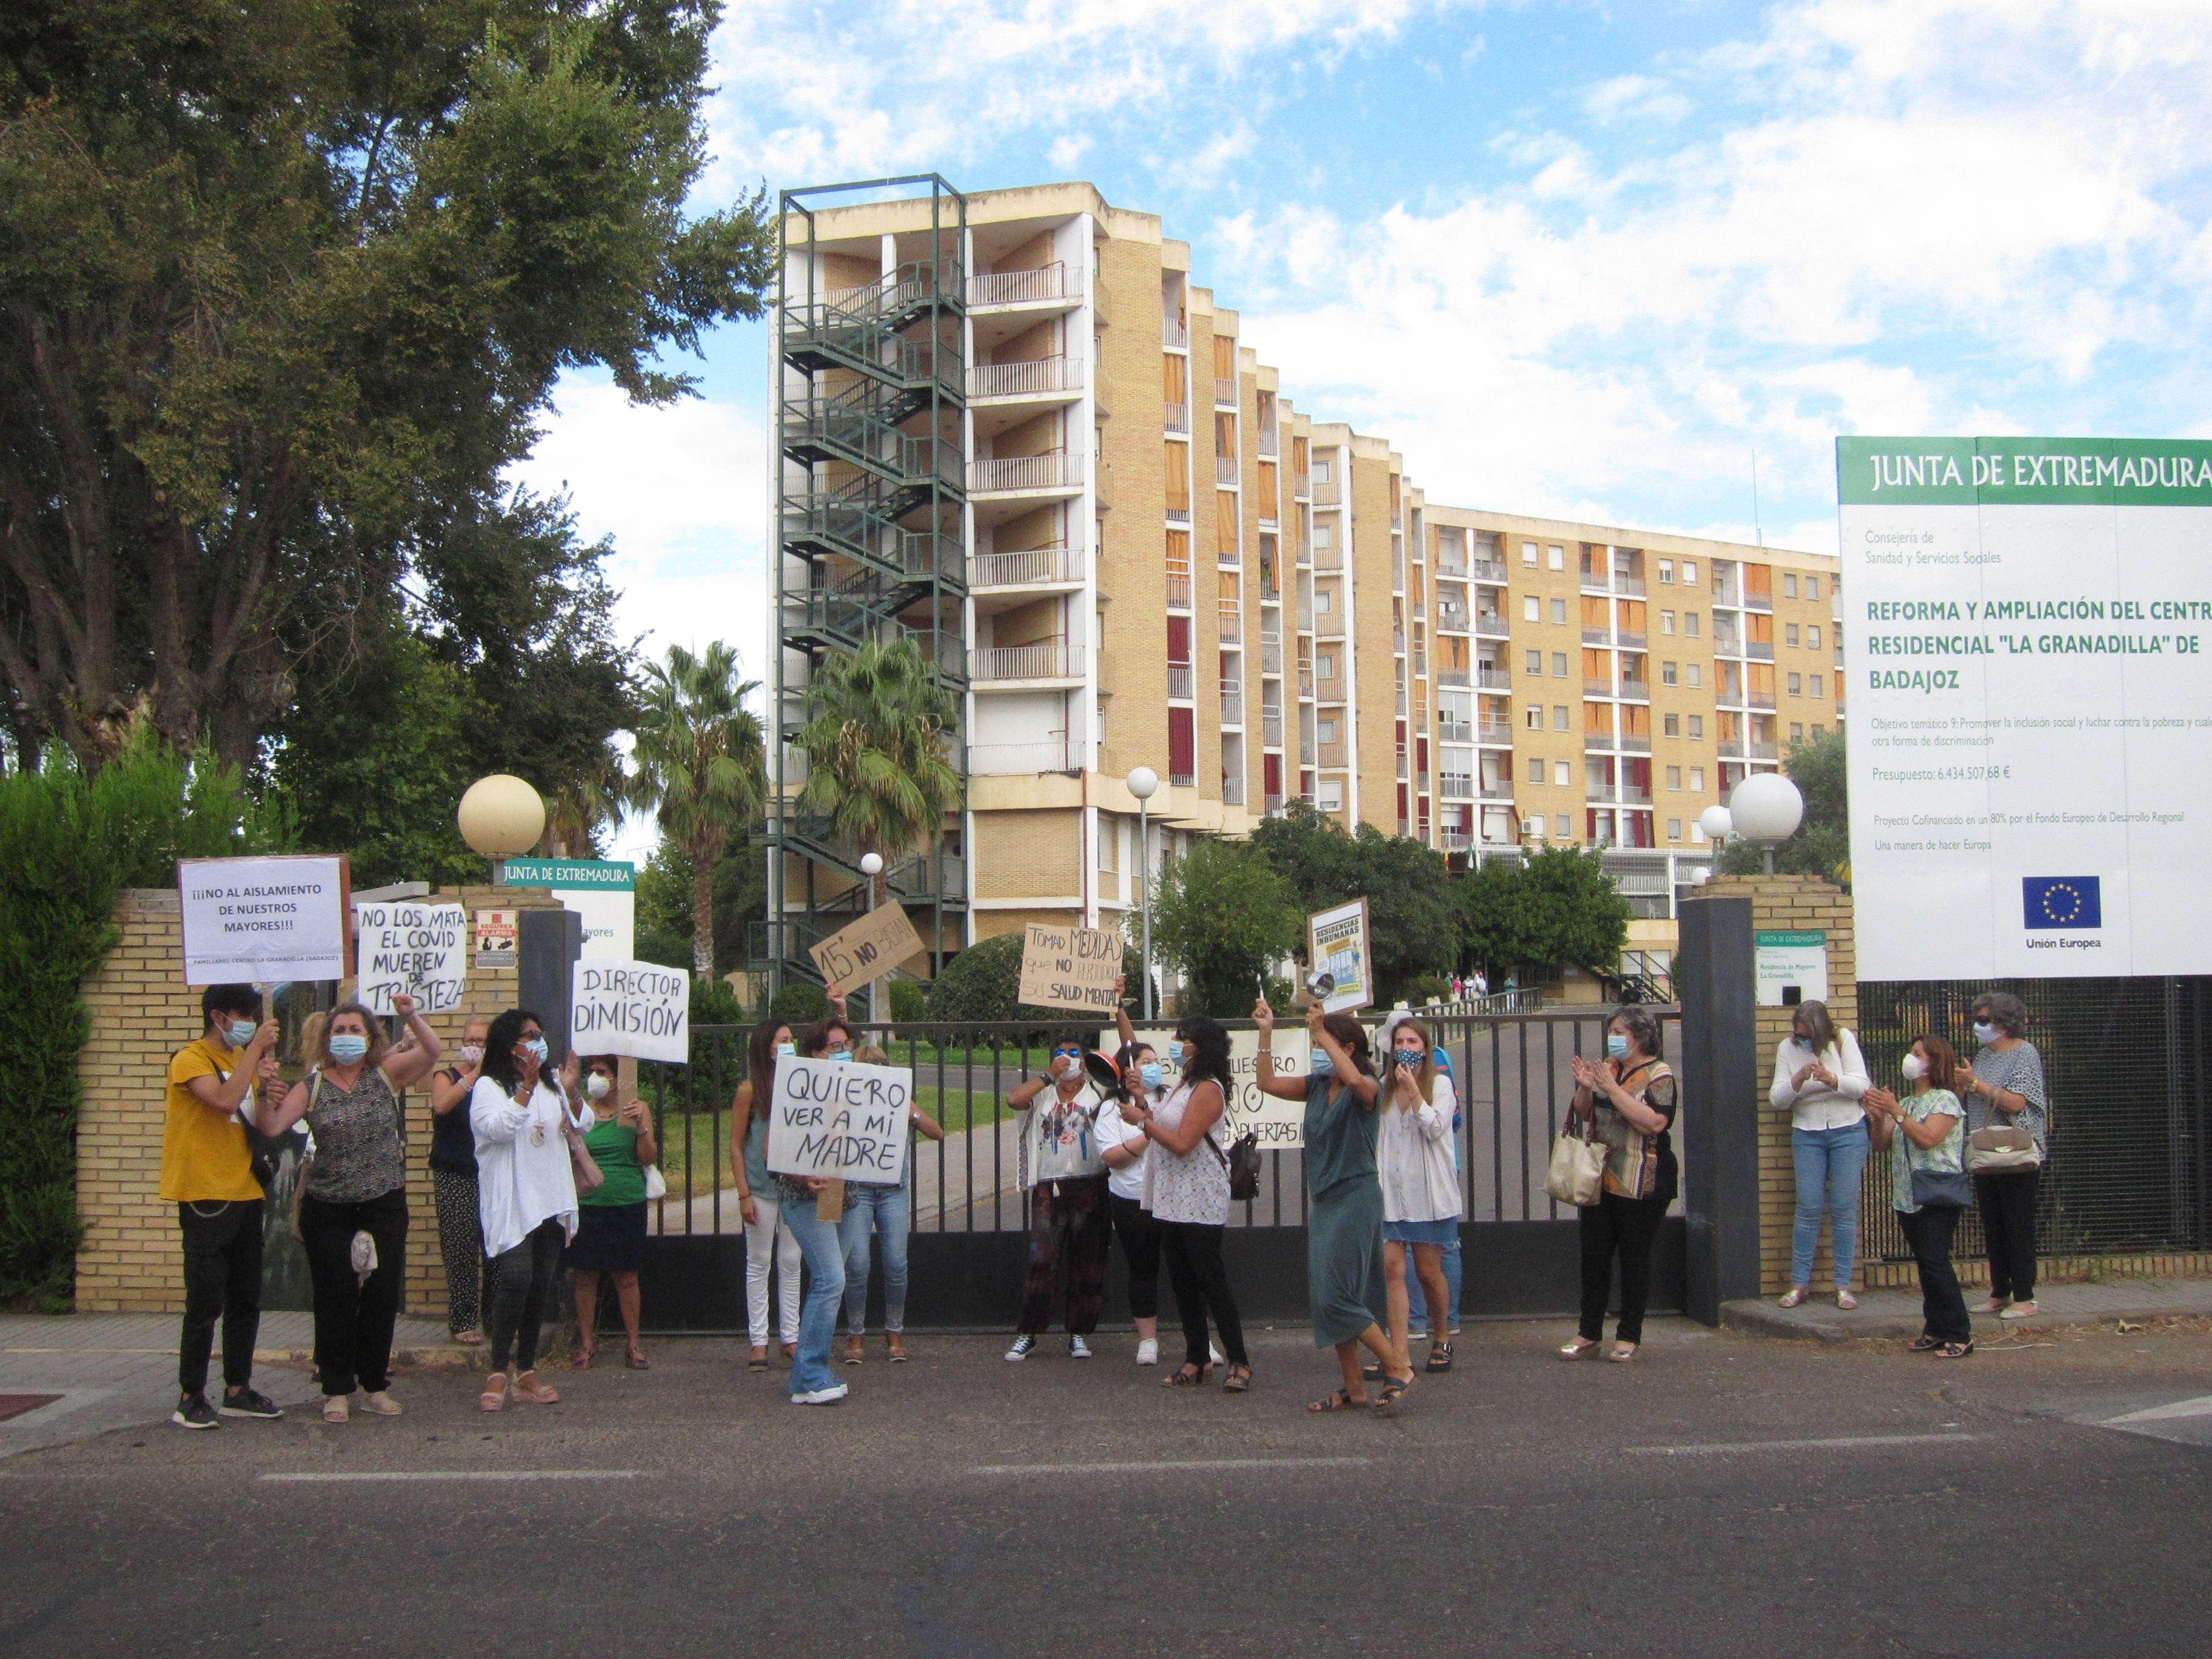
x=881 y=1209
x=356 y=1188
x=1630 y=1097
x=526 y=1182
x=1145 y=1080
x=1420 y=1181
x=454 y=1179
x=1924 y=1134
x=2003 y=1089
x=822 y=1249
x=758 y=1203
x=1063 y=1167
x=611 y=1218
x=1345 y=1273
x=1818 y=1077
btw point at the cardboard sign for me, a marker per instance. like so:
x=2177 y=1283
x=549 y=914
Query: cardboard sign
x=869 y=949
x=840 y=1119
x=1336 y=942
x=636 y=1008
x=258 y=920
x=1071 y=967
x=496 y=932
x=410 y=946
x=1280 y=1124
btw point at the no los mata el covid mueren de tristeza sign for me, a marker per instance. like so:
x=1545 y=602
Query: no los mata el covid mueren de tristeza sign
x=411 y=946
x=839 y=1119
x=2025 y=623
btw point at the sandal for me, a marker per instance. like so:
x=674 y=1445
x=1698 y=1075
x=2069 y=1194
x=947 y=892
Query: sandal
x=1923 y=1345
x=494 y=1397
x=856 y=1350
x=1796 y=1294
x=757 y=1360
x=895 y=1343
x=634 y=1360
x=1622 y=1353
x=335 y=1408
x=586 y=1356
x=380 y=1404
x=1581 y=1348
x=1845 y=1300
x=1185 y=1375
x=531 y=1392
x=1440 y=1357
x=1239 y=1380
x=1955 y=1350
x=1392 y=1389
x=469 y=1338
x=1341 y=1401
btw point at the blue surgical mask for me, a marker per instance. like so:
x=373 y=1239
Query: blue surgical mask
x=1150 y=1072
x=240 y=1032
x=1175 y=1050
x=786 y=1050
x=538 y=1046
x=1321 y=1062
x=841 y=1055
x=347 y=1048
x=1616 y=1045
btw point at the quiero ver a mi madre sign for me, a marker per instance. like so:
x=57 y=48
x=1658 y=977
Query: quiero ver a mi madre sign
x=840 y=1120
x=2025 y=624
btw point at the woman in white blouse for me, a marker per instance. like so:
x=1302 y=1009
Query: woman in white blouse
x=1420 y=1181
x=1820 y=1078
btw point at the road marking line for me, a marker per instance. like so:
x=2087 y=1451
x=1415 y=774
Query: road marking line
x=456 y=1474
x=1852 y=1443
x=2199 y=1406
x=1194 y=1465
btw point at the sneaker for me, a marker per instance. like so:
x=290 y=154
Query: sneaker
x=245 y=1402
x=829 y=1396
x=1025 y=1345
x=1078 y=1348
x=193 y=1412
x=1148 y=1352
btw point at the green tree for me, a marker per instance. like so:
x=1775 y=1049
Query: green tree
x=1822 y=843
x=1410 y=918
x=701 y=766
x=1551 y=910
x=1222 y=914
x=285 y=286
x=664 y=903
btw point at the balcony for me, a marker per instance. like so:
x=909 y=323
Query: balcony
x=1182 y=685
x=1728 y=595
x=1305 y=682
x=1597 y=636
x=1456 y=785
x=1305 y=618
x=1597 y=688
x=1225 y=471
x=1632 y=586
x=1272 y=805
x=1490 y=625
x=1048 y=659
x=1183 y=780
x=1631 y=794
x=1760 y=699
x=1398 y=641
x=1731 y=748
x=1055 y=284
x=1228 y=558
x=1489 y=570
x=1271 y=654
x=1301 y=484
x=1760 y=650
x=1040 y=378
x=1498 y=791
x=1331 y=754
x=1270 y=443
x=1757 y=601
x=1329 y=625
x=1034 y=567
x=1179 y=593
x=1453 y=840
x=1452 y=565
x=1328 y=558
x=1451 y=731
x=1486 y=679
x=1635 y=690
x=1232 y=703
x=1230 y=622
x=1304 y=551
x=1598 y=742
x=1327 y=492
x=1232 y=790
x=1726 y=644
x=1178 y=417
x=1629 y=639
x=1225 y=392
x=1634 y=743
x=1330 y=688
x=1175 y=336
x=1179 y=513
x=1061 y=470
x=1271 y=729
x=1305 y=753
x=1018 y=759
x=1495 y=732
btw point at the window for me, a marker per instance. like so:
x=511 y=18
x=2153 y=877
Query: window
x=1697 y=674
x=1673 y=725
x=1819 y=732
x=1690 y=624
x=1557 y=556
x=1325 y=731
x=1325 y=664
x=1563 y=773
x=1812 y=587
x=1674 y=828
x=1789 y=633
x=1667 y=572
x=1331 y=789
x=1697 y=728
x=1689 y=572
x=1559 y=610
x=1321 y=473
x=1559 y=664
x=1532 y=609
x=1666 y=622
x=1535 y=662
x=1536 y=771
x=1697 y=779
x=1324 y=599
x=1673 y=777
x=1796 y=732
x=1559 y=713
x=1796 y=685
x=1324 y=534
x=1789 y=586
x=1666 y=672
x=1818 y=690
x=1528 y=554
x=1562 y=827
x=1813 y=636
x=1535 y=720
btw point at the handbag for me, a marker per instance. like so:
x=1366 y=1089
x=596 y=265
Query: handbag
x=656 y=1184
x=1941 y=1189
x=1578 y=1173
x=1242 y=1160
x=2002 y=1151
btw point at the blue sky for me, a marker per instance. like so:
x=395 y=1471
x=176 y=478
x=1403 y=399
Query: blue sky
x=1570 y=257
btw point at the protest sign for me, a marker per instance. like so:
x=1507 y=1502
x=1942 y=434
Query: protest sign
x=412 y=947
x=1279 y=1124
x=259 y=919
x=840 y=1120
x=636 y=1008
x=1336 y=941
x=1071 y=967
x=867 y=950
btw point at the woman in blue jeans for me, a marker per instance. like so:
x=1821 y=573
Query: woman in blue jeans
x=1820 y=1078
x=884 y=1208
x=820 y=1245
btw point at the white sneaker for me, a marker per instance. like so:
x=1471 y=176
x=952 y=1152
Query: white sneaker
x=1078 y=1348
x=1023 y=1346
x=1148 y=1352
x=829 y=1396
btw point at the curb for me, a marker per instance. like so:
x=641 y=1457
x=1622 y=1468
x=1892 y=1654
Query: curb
x=1763 y=1318
x=440 y=1358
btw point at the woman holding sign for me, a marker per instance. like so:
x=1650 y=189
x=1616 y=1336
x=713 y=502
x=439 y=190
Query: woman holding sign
x=1063 y=1165
x=758 y=1203
x=610 y=1221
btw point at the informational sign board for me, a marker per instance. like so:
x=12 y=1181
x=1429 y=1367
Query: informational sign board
x=248 y=920
x=413 y=946
x=1336 y=943
x=601 y=890
x=496 y=932
x=2026 y=624
x=839 y=1119
x=1790 y=969
x=636 y=1008
x=1277 y=1123
x=1071 y=967
x=869 y=949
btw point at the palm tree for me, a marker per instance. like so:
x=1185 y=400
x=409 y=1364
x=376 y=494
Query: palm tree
x=702 y=766
x=879 y=724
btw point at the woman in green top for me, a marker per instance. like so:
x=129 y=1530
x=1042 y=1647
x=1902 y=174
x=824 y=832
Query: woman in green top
x=1343 y=1210
x=610 y=1221
x=1925 y=1134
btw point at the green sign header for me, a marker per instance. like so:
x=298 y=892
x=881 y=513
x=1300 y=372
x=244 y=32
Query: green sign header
x=569 y=873
x=2024 y=471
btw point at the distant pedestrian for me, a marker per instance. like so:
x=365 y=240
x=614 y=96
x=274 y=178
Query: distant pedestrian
x=1062 y=1166
x=1818 y=1077
x=1630 y=1098
x=353 y=1210
x=207 y=1172
x=759 y=1204
x=1481 y=983
x=1345 y=1274
x=884 y=1210
x=611 y=1218
x=453 y=1183
x=1420 y=1183
x=2003 y=1089
x=1925 y=1136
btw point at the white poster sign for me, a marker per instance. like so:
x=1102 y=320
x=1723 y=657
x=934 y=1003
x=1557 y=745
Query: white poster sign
x=1277 y=1123
x=413 y=946
x=838 y=1118
x=256 y=920
x=1336 y=944
x=636 y=1008
x=2025 y=633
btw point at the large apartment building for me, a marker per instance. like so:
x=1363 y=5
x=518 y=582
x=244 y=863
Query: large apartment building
x=1013 y=428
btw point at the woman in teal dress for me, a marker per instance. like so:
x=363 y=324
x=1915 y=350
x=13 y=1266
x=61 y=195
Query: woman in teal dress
x=1344 y=1210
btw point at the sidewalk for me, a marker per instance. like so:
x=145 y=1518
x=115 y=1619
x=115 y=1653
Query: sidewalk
x=1897 y=1313
x=106 y=1371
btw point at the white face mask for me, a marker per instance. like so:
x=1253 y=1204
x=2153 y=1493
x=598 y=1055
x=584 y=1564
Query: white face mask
x=597 y=1085
x=1915 y=1068
x=1985 y=1033
x=472 y=1053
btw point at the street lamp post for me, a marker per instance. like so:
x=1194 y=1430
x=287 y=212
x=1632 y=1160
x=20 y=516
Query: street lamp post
x=1764 y=809
x=872 y=866
x=502 y=817
x=1144 y=783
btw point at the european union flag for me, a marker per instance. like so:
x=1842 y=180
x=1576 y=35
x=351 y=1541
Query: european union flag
x=2062 y=901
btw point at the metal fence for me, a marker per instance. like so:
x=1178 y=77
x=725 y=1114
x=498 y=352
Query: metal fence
x=2127 y=1167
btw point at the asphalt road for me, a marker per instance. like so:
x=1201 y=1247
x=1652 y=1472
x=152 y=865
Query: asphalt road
x=1723 y=1496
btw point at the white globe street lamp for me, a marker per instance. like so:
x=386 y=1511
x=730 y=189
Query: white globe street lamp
x=1144 y=783
x=872 y=866
x=1766 y=808
x=1717 y=824
x=501 y=817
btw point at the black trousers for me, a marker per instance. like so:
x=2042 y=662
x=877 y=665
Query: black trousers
x=2008 y=1205
x=353 y=1320
x=1201 y=1284
x=1624 y=1227
x=1943 y=1307
x=222 y=1281
x=1068 y=1221
x=1140 y=1245
x=521 y=1291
